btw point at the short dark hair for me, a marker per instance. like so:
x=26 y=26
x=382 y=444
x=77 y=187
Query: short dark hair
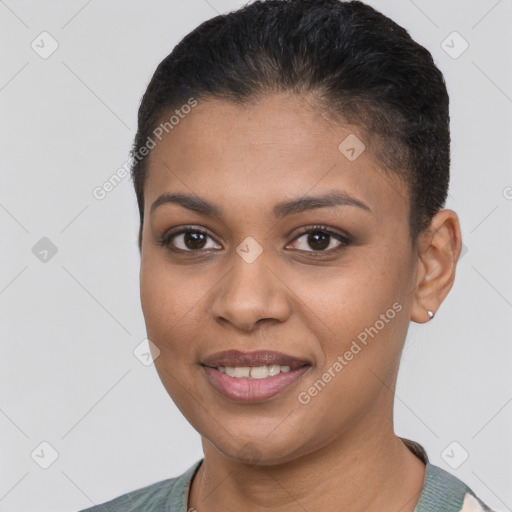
x=359 y=65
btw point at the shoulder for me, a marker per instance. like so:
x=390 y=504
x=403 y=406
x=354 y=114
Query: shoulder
x=162 y=496
x=444 y=491
x=150 y=498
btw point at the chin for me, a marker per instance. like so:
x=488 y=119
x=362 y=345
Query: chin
x=258 y=452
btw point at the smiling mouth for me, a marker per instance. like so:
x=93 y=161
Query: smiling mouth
x=253 y=376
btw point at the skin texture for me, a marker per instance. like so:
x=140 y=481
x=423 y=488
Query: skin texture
x=279 y=453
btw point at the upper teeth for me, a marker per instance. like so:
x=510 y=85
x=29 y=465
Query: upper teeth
x=253 y=372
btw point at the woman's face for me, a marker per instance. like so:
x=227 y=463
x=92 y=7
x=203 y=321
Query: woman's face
x=256 y=265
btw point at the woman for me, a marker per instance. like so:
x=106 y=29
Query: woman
x=291 y=167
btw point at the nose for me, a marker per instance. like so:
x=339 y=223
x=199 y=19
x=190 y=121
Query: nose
x=251 y=294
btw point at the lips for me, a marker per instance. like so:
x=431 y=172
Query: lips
x=234 y=358
x=286 y=371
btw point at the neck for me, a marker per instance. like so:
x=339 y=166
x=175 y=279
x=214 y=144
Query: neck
x=367 y=469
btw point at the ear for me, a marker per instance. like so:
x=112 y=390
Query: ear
x=438 y=253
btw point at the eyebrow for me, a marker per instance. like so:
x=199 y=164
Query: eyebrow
x=294 y=206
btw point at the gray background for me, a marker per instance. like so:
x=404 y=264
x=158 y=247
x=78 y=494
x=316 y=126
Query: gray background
x=71 y=320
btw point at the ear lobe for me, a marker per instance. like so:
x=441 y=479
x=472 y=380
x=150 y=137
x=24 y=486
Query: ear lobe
x=437 y=261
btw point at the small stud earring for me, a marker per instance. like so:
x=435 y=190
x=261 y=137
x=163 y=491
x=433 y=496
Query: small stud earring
x=431 y=314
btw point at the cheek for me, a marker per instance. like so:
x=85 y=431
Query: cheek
x=342 y=302
x=359 y=318
x=173 y=303
x=173 y=307
x=360 y=324
x=164 y=286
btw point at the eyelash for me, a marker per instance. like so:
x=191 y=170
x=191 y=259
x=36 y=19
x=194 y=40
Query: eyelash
x=165 y=241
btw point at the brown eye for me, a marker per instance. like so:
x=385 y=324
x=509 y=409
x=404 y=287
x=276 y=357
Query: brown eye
x=188 y=240
x=320 y=239
x=194 y=240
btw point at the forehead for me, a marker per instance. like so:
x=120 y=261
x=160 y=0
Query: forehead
x=280 y=145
